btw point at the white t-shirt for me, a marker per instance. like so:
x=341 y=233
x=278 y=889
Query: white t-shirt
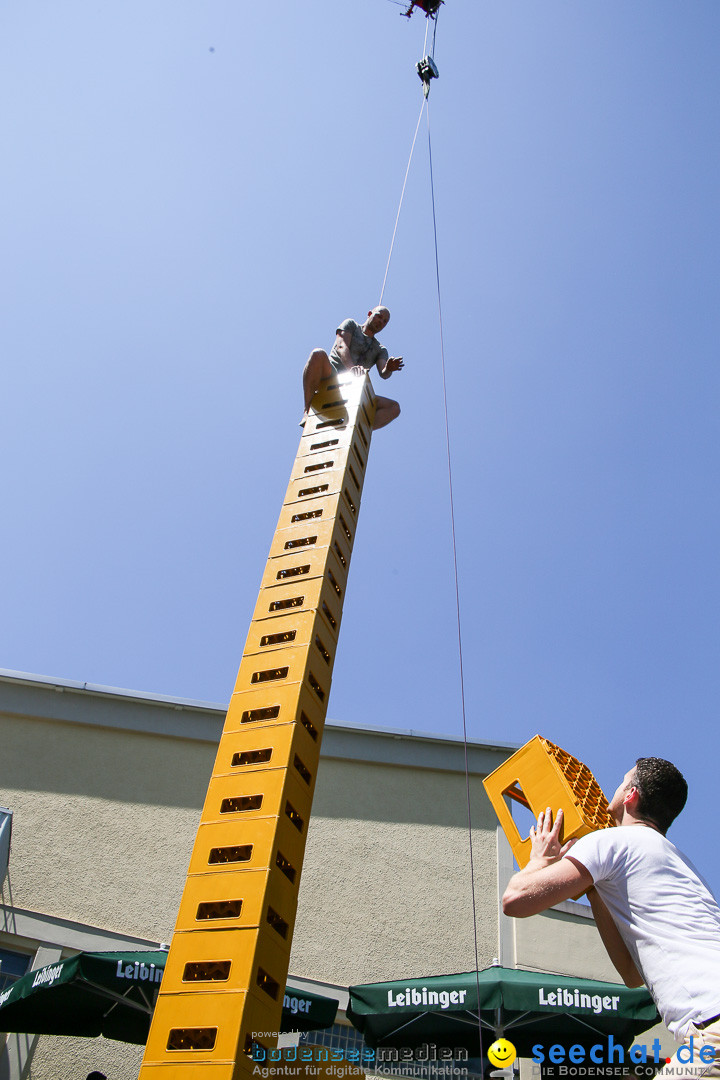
x=666 y=915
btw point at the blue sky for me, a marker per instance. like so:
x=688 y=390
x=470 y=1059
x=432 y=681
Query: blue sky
x=196 y=194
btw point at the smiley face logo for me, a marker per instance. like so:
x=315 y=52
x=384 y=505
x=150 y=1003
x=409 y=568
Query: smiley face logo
x=502 y=1053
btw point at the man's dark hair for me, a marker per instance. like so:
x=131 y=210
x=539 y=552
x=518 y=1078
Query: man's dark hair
x=662 y=789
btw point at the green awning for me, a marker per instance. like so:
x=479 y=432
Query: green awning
x=526 y=1007
x=113 y=994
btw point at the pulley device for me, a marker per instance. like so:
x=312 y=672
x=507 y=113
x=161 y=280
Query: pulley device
x=427 y=70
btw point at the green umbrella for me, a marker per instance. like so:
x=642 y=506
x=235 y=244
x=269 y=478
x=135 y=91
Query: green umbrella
x=113 y=994
x=526 y=1007
x=110 y=994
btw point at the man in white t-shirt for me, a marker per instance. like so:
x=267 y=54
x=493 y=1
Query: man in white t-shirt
x=657 y=917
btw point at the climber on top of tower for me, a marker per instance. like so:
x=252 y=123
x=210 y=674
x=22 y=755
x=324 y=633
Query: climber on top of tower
x=356 y=349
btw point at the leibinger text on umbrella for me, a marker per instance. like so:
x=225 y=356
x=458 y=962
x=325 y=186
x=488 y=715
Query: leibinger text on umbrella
x=139 y=972
x=48 y=975
x=563 y=998
x=295 y=1004
x=6 y=994
x=411 y=996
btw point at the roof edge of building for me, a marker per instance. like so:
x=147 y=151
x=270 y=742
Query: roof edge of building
x=64 y=700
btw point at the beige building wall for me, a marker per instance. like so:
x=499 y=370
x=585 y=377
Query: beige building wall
x=105 y=819
x=564 y=940
x=106 y=790
x=385 y=889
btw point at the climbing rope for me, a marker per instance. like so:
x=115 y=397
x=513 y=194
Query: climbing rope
x=402 y=196
x=427 y=70
x=402 y=193
x=457 y=584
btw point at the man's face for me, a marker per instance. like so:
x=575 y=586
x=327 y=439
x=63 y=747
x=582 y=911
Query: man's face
x=378 y=319
x=617 y=802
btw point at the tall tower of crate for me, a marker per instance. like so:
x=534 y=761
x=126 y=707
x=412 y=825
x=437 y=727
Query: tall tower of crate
x=224 y=980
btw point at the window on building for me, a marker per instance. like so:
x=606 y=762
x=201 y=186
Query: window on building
x=13 y=966
x=6 y=817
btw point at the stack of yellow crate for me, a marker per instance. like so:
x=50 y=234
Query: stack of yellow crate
x=224 y=981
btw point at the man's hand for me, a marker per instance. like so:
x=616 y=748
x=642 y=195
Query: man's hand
x=394 y=363
x=358 y=370
x=546 y=846
x=547 y=878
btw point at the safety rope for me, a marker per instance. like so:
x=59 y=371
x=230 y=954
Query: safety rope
x=457 y=585
x=407 y=172
x=426 y=104
x=402 y=196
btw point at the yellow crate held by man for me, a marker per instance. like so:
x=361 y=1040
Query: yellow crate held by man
x=539 y=775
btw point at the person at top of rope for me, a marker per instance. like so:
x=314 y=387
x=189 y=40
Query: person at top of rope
x=356 y=349
x=656 y=916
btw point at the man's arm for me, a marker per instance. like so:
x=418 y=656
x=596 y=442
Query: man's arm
x=616 y=948
x=342 y=348
x=540 y=885
x=547 y=878
x=393 y=363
